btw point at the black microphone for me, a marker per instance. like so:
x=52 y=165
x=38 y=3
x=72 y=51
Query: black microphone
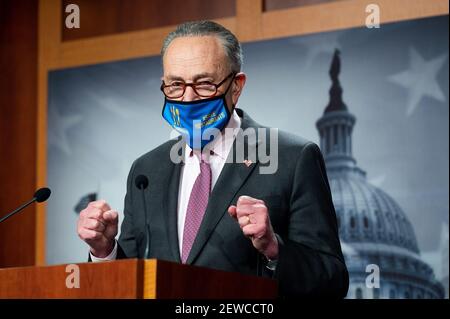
x=141 y=182
x=41 y=195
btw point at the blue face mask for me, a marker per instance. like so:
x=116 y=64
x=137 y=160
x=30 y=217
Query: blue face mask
x=200 y=121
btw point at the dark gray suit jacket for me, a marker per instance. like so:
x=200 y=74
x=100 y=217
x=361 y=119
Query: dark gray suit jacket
x=301 y=211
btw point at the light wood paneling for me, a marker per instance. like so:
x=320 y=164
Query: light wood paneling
x=344 y=14
x=115 y=47
x=108 y=17
x=48 y=50
x=270 y=5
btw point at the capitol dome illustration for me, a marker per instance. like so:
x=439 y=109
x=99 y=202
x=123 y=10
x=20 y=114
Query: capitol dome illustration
x=375 y=232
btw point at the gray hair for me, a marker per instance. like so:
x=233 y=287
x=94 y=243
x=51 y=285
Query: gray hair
x=230 y=43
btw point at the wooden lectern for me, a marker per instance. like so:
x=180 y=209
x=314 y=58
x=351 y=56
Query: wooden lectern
x=132 y=279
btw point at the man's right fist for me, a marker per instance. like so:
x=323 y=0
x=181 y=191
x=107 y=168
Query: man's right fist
x=98 y=226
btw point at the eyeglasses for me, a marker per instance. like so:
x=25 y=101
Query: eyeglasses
x=203 y=89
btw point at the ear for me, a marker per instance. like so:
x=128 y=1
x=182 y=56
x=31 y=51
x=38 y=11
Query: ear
x=238 y=86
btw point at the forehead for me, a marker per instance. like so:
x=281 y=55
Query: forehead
x=187 y=56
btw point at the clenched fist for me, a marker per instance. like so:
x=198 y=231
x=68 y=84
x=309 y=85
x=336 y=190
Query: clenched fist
x=253 y=218
x=98 y=226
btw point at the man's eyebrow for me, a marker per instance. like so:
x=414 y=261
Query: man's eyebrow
x=203 y=75
x=196 y=77
x=175 y=78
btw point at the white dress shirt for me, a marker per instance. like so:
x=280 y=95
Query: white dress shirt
x=216 y=153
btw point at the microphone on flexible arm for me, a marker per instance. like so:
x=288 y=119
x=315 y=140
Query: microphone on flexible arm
x=141 y=182
x=41 y=195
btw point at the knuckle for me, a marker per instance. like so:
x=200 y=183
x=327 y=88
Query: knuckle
x=113 y=215
x=243 y=211
x=260 y=206
x=95 y=213
x=92 y=235
x=104 y=205
x=265 y=218
x=83 y=234
x=97 y=204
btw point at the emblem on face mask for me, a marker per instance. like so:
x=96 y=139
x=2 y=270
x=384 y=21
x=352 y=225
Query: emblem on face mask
x=175 y=115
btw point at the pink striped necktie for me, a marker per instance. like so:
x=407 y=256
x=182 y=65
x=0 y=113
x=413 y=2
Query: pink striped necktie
x=196 y=208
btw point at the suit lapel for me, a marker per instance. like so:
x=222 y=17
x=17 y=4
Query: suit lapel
x=170 y=206
x=231 y=179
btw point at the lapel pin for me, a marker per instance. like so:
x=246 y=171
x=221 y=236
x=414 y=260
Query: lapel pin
x=247 y=162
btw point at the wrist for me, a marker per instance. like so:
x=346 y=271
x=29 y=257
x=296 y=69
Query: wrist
x=104 y=252
x=271 y=252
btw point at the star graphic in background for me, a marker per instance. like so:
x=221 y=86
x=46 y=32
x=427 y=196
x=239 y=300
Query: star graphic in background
x=58 y=128
x=420 y=79
x=325 y=44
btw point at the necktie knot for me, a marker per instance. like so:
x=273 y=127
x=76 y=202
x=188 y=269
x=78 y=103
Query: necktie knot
x=203 y=156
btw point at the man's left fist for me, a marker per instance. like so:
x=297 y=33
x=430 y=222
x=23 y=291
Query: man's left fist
x=253 y=218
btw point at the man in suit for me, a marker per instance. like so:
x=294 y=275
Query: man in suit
x=209 y=204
